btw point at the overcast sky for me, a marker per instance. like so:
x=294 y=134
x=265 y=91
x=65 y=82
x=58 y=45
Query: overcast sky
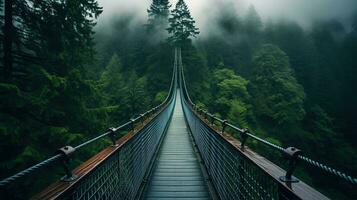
x=302 y=11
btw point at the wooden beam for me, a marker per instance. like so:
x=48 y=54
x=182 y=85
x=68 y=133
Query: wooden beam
x=299 y=190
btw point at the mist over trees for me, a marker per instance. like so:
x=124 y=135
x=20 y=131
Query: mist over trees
x=290 y=85
x=64 y=83
x=182 y=25
x=158 y=12
x=58 y=88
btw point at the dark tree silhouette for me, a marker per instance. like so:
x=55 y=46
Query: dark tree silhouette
x=158 y=12
x=182 y=25
x=8 y=38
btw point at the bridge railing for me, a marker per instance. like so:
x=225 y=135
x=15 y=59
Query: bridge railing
x=118 y=171
x=238 y=172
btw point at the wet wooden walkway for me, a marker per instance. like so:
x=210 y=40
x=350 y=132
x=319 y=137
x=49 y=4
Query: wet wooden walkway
x=177 y=173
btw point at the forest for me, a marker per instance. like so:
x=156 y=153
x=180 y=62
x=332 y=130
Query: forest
x=65 y=80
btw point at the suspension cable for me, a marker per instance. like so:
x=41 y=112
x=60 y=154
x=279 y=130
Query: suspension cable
x=307 y=160
x=58 y=156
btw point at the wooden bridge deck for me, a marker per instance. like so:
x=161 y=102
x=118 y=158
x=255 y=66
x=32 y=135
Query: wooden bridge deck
x=177 y=173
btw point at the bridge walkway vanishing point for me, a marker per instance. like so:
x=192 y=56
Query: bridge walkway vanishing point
x=177 y=173
x=157 y=159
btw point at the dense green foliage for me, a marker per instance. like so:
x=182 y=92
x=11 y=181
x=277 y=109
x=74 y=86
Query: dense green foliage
x=289 y=85
x=159 y=12
x=277 y=95
x=61 y=92
x=232 y=97
x=182 y=25
x=47 y=101
x=157 y=20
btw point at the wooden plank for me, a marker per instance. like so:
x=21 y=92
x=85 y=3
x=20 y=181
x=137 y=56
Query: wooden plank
x=190 y=188
x=177 y=173
x=178 y=194
x=300 y=190
x=60 y=188
x=176 y=183
x=173 y=198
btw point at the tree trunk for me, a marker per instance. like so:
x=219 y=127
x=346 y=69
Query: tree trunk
x=8 y=40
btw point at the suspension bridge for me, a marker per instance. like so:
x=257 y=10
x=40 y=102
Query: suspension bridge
x=176 y=150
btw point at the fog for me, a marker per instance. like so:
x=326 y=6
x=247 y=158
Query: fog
x=304 y=12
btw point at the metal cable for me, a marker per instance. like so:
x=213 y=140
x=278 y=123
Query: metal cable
x=319 y=165
x=168 y=101
x=233 y=176
x=279 y=148
x=328 y=169
x=29 y=170
x=121 y=175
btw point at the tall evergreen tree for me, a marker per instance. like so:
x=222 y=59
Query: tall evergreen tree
x=43 y=94
x=277 y=94
x=354 y=23
x=66 y=32
x=159 y=9
x=253 y=22
x=1 y=13
x=16 y=39
x=8 y=39
x=182 y=25
x=158 y=12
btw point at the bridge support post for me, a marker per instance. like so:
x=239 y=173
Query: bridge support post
x=243 y=137
x=142 y=118
x=132 y=124
x=112 y=136
x=292 y=153
x=66 y=152
x=151 y=112
x=212 y=119
x=224 y=125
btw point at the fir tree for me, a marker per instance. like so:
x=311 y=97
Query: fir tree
x=253 y=22
x=159 y=12
x=8 y=40
x=159 y=9
x=354 y=24
x=182 y=25
x=277 y=94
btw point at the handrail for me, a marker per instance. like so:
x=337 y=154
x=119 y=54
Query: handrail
x=64 y=152
x=291 y=152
